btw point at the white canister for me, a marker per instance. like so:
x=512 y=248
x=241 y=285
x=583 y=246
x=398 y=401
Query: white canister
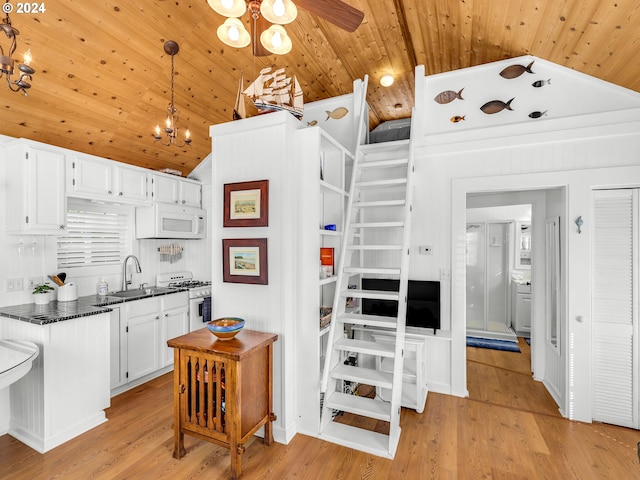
x=67 y=292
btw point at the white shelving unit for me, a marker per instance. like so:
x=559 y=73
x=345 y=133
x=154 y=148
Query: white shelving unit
x=322 y=191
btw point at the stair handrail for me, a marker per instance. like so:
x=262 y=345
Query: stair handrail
x=345 y=238
x=398 y=365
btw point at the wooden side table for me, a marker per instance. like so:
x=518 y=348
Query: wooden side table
x=223 y=390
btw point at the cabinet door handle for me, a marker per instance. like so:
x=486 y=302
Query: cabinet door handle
x=184 y=201
x=120 y=194
x=62 y=227
x=109 y=192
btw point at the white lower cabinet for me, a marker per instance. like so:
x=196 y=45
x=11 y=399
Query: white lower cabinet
x=139 y=333
x=521 y=309
x=143 y=337
x=175 y=322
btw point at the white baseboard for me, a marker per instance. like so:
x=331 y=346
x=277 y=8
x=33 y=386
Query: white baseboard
x=42 y=445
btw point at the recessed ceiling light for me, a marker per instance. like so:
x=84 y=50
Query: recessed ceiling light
x=386 y=80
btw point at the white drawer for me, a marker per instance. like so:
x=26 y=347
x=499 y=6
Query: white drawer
x=522 y=288
x=175 y=300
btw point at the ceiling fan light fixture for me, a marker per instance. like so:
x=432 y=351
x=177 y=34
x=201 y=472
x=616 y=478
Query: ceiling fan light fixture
x=279 y=12
x=276 y=40
x=233 y=33
x=386 y=80
x=228 y=8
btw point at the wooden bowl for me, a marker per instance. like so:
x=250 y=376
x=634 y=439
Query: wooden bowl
x=225 y=328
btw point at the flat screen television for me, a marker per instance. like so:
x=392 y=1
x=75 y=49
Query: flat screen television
x=423 y=301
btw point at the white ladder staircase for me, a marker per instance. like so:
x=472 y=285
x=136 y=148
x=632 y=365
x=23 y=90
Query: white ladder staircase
x=376 y=245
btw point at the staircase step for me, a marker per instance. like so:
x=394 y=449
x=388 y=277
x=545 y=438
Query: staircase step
x=387 y=163
x=359 y=439
x=391 y=147
x=371 y=320
x=365 y=376
x=364 y=406
x=378 y=225
x=376 y=294
x=377 y=271
x=374 y=247
x=380 y=203
x=363 y=346
x=388 y=182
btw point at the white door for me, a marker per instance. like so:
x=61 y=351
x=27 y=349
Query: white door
x=615 y=307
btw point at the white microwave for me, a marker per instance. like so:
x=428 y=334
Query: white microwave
x=170 y=221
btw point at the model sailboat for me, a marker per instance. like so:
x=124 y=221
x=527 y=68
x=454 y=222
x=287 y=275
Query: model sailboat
x=271 y=91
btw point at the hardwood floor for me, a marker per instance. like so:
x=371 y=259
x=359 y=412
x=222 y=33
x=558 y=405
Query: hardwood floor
x=490 y=435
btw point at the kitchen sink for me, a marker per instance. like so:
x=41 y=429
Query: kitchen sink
x=141 y=292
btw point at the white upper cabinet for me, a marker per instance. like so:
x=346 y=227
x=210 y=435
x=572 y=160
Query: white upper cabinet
x=36 y=188
x=132 y=183
x=190 y=193
x=165 y=189
x=96 y=178
x=171 y=189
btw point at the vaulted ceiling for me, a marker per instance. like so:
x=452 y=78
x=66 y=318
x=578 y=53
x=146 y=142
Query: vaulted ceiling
x=102 y=79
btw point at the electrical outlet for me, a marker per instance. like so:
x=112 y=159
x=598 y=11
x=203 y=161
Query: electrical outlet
x=33 y=281
x=14 y=284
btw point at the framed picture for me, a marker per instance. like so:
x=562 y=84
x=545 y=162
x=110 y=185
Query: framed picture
x=244 y=260
x=246 y=204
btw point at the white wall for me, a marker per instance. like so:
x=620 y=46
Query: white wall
x=576 y=159
x=261 y=148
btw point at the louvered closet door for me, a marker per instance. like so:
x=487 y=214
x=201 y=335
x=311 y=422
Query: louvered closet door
x=615 y=301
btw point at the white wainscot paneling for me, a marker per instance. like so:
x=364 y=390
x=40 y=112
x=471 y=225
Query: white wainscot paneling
x=67 y=388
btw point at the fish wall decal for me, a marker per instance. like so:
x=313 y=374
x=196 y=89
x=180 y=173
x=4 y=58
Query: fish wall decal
x=448 y=96
x=541 y=83
x=514 y=71
x=495 y=106
x=457 y=118
x=312 y=123
x=537 y=114
x=337 y=114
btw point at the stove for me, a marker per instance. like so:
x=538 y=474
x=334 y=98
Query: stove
x=200 y=303
x=196 y=288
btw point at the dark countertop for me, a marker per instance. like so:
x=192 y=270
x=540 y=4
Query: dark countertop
x=56 y=311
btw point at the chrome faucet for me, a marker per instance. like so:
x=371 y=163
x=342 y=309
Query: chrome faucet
x=125 y=282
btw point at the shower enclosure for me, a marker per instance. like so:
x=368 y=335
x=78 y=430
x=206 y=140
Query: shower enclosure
x=488 y=280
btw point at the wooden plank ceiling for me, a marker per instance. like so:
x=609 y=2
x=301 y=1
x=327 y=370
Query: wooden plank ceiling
x=102 y=78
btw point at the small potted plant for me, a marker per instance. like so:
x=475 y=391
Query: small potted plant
x=41 y=295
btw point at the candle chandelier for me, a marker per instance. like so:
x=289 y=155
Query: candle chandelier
x=7 y=63
x=171 y=124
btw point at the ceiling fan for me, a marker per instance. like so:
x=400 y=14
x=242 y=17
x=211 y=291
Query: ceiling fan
x=337 y=12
